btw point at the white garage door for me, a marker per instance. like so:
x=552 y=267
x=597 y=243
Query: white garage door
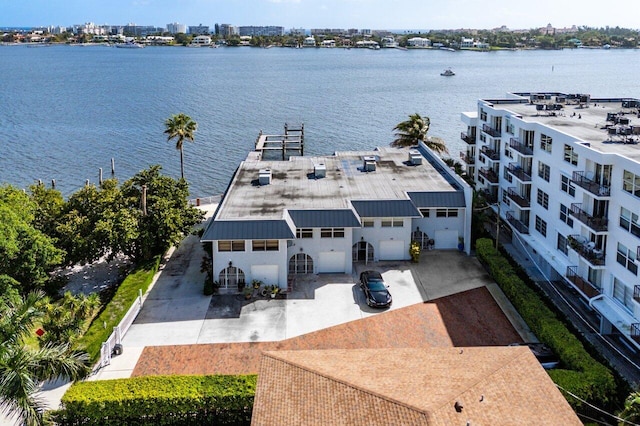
x=446 y=239
x=331 y=262
x=392 y=250
x=268 y=274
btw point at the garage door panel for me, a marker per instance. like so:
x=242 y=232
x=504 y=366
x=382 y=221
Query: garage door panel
x=331 y=262
x=446 y=239
x=392 y=250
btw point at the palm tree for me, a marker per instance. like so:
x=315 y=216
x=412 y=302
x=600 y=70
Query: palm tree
x=631 y=412
x=414 y=130
x=23 y=369
x=180 y=126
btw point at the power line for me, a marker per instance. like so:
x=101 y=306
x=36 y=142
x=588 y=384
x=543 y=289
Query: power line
x=596 y=408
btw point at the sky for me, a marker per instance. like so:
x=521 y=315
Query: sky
x=307 y=14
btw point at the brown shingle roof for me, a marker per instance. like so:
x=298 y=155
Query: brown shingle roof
x=494 y=385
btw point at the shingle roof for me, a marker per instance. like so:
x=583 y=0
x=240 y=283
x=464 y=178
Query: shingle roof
x=386 y=208
x=437 y=199
x=344 y=218
x=494 y=385
x=248 y=230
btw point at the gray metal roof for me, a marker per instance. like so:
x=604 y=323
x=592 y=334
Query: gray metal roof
x=386 y=208
x=248 y=230
x=437 y=199
x=343 y=218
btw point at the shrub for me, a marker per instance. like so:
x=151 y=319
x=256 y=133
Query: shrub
x=583 y=376
x=159 y=400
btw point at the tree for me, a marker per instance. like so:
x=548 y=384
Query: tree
x=631 y=412
x=67 y=318
x=23 y=369
x=413 y=131
x=182 y=127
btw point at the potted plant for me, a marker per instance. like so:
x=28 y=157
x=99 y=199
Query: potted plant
x=274 y=291
x=256 y=284
x=248 y=292
x=414 y=251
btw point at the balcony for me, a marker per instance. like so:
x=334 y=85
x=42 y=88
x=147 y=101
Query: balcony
x=490 y=197
x=520 y=173
x=488 y=174
x=598 y=224
x=521 y=148
x=635 y=332
x=517 y=224
x=580 y=283
x=517 y=198
x=636 y=293
x=491 y=131
x=490 y=153
x=585 y=180
x=471 y=140
x=466 y=158
x=586 y=249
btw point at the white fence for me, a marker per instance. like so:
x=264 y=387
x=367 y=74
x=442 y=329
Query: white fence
x=205 y=200
x=108 y=347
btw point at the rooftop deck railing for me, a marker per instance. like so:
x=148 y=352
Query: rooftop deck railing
x=598 y=224
x=517 y=223
x=468 y=139
x=488 y=174
x=517 y=198
x=520 y=147
x=520 y=173
x=491 y=131
x=583 y=180
x=588 y=289
x=491 y=154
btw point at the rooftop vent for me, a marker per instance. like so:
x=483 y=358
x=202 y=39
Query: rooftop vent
x=319 y=170
x=415 y=158
x=264 y=177
x=369 y=163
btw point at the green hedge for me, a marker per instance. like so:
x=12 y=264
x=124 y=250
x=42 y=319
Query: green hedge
x=582 y=375
x=159 y=400
x=139 y=279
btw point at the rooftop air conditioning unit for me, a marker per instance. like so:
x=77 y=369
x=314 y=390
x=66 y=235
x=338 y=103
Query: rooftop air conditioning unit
x=415 y=158
x=264 y=177
x=369 y=163
x=319 y=170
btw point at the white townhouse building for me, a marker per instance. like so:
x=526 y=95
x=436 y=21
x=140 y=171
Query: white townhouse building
x=313 y=215
x=564 y=172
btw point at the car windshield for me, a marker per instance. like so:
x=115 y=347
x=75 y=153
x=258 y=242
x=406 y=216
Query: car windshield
x=376 y=286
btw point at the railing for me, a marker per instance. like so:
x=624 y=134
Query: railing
x=467 y=158
x=201 y=201
x=517 y=224
x=517 y=198
x=488 y=174
x=491 y=131
x=636 y=293
x=580 y=283
x=468 y=139
x=490 y=153
x=581 y=179
x=517 y=170
x=598 y=224
x=586 y=250
x=521 y=148
x=490 y=197
x=119 y=331
x=635 y=331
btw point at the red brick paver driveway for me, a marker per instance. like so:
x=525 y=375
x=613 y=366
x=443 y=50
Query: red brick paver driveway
x=471 y=318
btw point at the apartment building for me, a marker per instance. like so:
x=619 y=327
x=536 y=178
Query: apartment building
x=563 y=170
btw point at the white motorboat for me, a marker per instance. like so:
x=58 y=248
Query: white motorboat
x=448 y=73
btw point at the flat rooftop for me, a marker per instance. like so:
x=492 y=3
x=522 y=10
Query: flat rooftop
x=295 y=186
x=586 y=122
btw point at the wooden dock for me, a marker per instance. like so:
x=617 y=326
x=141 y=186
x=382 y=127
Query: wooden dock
x=292 y=141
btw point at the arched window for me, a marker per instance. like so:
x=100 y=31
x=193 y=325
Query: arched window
x=301 y=263
x=362 y=252
x=232 y=277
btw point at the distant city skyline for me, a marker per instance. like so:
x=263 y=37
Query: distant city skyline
x=371 y=14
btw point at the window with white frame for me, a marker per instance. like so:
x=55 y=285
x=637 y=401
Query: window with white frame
x=541 y=226
x=304 y=233
x=331 y=232
x=629 y=221
x=564 y=215
x=623 y=294
x=231 y=245
x=425 y=212
x=627 y=258
x=543 y=199
x=545 y=142
x=483 y=114
x=447 y=213
x=562 y=244
x=570 y=156
x=567 y=186
x=368 y=223
x=631 y=183
x=544 y=171
x=389 y=222
x=265 y=245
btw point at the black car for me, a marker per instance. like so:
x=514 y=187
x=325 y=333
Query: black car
x=375 y=290
x=543 y=353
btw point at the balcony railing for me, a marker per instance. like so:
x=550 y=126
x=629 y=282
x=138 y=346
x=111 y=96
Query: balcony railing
x=490 y=153
x=488 y=174
x=581 y=284
x=636 y=293
x=467 y=158
x=598 y=224
x=586 y=250
x=517 y=198
x=490 y=197
x=635 y=331
x=468 y=139
x=517 y=224
x=491 y=131
x=521 y=148
x=517 y=170
x=582 y=180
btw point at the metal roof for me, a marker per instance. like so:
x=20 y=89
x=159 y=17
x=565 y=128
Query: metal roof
x=248 y=230
x=386 y=208
x=438 y=199
x=343 y=218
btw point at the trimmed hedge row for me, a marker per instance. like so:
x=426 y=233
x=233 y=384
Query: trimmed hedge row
x=583 y=376
x=159 y=400
x=102 y=326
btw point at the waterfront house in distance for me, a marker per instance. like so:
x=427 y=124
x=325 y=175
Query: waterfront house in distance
x=311 y=215
x=564 y=172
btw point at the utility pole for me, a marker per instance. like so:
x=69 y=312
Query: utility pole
x=498 y=227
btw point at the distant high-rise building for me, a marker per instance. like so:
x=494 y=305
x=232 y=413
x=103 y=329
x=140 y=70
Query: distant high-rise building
x=199 y=29
x=176 y=28
x=224 y=30
x=268 y=31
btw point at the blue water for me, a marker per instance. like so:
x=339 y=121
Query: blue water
x=66 y=111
